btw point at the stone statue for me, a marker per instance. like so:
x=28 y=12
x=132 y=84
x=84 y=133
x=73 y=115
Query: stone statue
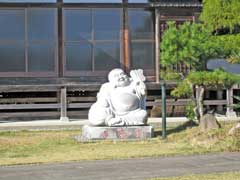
x=121 y=101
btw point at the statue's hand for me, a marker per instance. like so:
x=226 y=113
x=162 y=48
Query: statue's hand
x=138 y=79
x=137 y=75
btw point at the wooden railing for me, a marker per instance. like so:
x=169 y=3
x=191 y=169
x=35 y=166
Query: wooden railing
x=71 y=100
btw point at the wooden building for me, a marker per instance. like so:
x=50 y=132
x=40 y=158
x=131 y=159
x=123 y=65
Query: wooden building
x=54 y=54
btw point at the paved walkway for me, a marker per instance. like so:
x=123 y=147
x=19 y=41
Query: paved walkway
x=9 y=125
x=133 y=169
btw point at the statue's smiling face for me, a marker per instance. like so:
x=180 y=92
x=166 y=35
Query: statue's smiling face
x=119 y=78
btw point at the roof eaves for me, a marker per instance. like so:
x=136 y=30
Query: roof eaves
x=161 y=4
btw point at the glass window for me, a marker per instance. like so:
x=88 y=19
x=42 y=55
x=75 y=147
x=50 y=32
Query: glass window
x=28 y=39
x=92 y=39
x=92 y=1
x=140 y=1
x=78 y=57
x=41 y=57
x=78 y=25
x=28 y=1
x=107 y=56
x=41 y=24
x=12 y=58
x=141 y=24
x=142 y=55
x=12 y=25
x=106 y=24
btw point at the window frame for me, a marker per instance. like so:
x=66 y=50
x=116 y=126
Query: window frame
x=26 y=43
x=93 y=72
x=148 y=72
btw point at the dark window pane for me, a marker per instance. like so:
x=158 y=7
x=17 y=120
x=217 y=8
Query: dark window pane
x=31 y=1
x=41 y=24
x=106 y=24
x=41 y=57
x=140 y=1
x=12 y=25
x=92 y=1
x=142 y=55
x=77 y=25
x=141 y=24
x=78 y=57
x=12 y=58
x=107 y=56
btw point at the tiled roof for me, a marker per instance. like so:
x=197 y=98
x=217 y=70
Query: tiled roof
x=176 y=3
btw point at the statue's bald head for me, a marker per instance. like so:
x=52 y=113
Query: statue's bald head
x=118 y=78
x=113 y=73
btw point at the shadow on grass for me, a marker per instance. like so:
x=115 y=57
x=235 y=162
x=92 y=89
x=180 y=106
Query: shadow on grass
x=177 y=129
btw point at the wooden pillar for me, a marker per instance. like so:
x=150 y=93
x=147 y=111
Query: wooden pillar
x=126 y=38
x=60 y=39
x=157 y=45
x=230 y=112
x=64 y=104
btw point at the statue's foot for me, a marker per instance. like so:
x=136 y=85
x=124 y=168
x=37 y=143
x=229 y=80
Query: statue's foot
x=116 y=122
x=134 y=123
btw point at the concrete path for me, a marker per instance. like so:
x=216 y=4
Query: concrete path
x=133 y=169
x=7 y=125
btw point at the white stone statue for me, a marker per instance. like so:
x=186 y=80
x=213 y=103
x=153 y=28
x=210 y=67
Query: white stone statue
x=121 y=101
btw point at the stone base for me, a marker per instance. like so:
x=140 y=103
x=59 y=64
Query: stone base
x=231 y=114
x=115 y=133
x=64 y=119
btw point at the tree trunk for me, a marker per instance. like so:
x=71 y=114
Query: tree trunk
x=199 y=99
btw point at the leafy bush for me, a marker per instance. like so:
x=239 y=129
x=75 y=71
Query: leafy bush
x=190 y=113
x=218 y=15
x=202 y=79
x=216 y=78
x=192 y=44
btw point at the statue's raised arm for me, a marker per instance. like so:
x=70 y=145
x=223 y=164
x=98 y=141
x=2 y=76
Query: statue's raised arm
x=139 y=79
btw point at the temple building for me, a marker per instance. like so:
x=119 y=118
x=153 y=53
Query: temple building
x=54 y=54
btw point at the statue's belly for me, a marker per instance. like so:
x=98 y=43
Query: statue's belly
x=124 y=102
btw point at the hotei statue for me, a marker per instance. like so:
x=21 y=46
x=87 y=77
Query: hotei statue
x=121 y=101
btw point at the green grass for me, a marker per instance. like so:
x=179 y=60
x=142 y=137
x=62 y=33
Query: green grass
x=216 y=176
x=59 y=146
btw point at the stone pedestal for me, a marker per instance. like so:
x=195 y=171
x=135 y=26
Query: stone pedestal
x=231 y=114
x=115 y=133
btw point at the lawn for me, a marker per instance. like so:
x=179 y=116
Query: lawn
x=216 y=176
x=59 y=146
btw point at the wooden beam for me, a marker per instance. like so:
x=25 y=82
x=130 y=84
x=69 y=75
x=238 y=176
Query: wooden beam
x=29 y=115
x=170 y=102
x=22 y=116
x=79 y=105
x=157 y=45
x=28 y=100
x=215 y=102
x=29 y=106
x=64 y=104
x=60 y=38
x=126 y=39
x=82 y=99
x=184 y=102
x=26 y=88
